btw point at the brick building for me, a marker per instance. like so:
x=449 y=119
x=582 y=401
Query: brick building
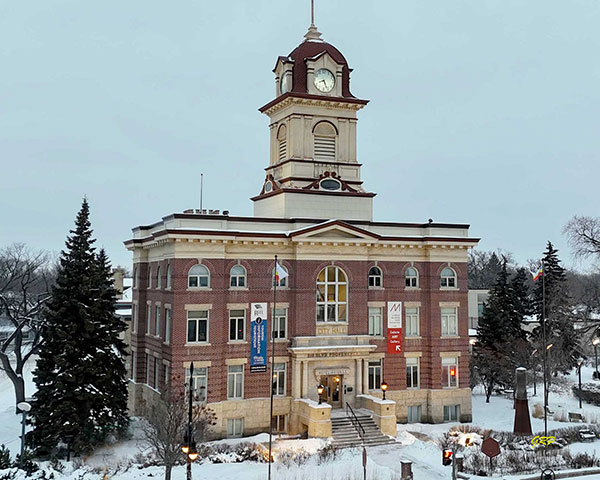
x=197 y=275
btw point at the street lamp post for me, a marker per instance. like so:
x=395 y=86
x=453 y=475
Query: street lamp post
x=579 y=364
x=595 y=342
x=24 y=407
x=384 y=387
x=188 y=447
x=320 y=390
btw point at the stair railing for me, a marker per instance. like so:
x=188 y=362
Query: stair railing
x=355 y=422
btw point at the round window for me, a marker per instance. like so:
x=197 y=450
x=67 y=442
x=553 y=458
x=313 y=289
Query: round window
x=330 y=184
x=268 y=187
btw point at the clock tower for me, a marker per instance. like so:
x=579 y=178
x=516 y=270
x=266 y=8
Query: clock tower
x=313 y=168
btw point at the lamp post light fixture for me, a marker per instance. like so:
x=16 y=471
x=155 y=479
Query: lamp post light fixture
x=320 y=390
x=384 y=387
x=188 y=447
x=595 y=342
x=579 y=364
x=24 y=407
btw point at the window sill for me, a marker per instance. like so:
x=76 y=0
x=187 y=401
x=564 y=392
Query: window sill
x=449 y=388
x=376 y=288
x=450 y=289
x=281 y=340
x=413 y=337
x=237 y=342
x=413 y=388
x=450 y=336
x=166 y=343
x=238 y=289
x=152 y=388
x=280 y=288
x=197 y=344
x=236 y=399
x=199 y=289
x=320 y=324
x=377 y=337
x=414 y=289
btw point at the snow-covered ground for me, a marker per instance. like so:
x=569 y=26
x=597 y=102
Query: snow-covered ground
x=416 y=443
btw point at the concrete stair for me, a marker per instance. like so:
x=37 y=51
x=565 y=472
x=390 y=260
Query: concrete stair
x=345 y=435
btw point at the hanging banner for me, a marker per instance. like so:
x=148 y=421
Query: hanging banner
x=258 y=337
x=394 y=327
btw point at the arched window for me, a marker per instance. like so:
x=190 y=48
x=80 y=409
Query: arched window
x=169 y=280
x=448 y=278
x=149 y=277
x=324 y=135
x=411 y=277
x=332 y=295
x=375 y=277
x=237 y=277
x=282 y=281
x=282 y=143
x=198 y=276
x=136 y=277
x=158 y=282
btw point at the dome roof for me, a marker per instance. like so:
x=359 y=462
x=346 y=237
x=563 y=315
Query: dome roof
x=311 y=49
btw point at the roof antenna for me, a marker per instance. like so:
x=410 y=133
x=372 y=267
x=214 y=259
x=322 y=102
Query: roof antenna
x=313 y=34
x=201 y=179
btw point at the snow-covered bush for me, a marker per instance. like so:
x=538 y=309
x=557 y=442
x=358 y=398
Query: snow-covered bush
x=581 y=460
x=590 y=393
x=4 y=457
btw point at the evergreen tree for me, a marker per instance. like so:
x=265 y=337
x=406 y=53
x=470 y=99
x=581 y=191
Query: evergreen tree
x=560 y=330
x=80 y=371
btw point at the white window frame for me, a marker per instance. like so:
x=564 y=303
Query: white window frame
x=240 y=319
x=136 y=277
x=149 y=277
x=279 y=379
x=411 y=281
x=148 y=318
x=376 y=321
x=147 y=369
x=168 y=326
x=448 y=363
x=235 y=382
x=158 y=279
x=169 y=277
x=413 y=328
x=134 y=317
x=155 y=380
x=278 y=423
x=235 y=427
x=197 y=277
x=448 y=281
x=411 y=414
x=280 y=316
x=413 y=364
x=238 y=280
x=375 y=279
x=282 y=281
x=133 y=366
x=449 y=318
x=167 y=371
x=324 y=302
x=375 y=374
x=197 y=319
x=199 y=383
x=157 y=332
x=452 y=411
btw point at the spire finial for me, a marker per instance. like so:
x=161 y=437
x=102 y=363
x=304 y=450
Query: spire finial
x=313 y=34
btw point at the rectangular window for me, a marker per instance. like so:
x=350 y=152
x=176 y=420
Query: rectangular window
x=132 y=373
x=167 y=325
x=147 y=362
x=280 y=323
x=235 y=382
x=449 y=372
x=157 y=331
x=199 y=383
x=414 y=414
x=235 y=427
x=412 y=322
x=155 y=374
x=148 y=319
x=375 y=321
x=197 y=326
x=167 y=378
x=279 y=379
x=278 y=424
x=412 y=372
x=237 y=318
x=451 y=413
x=134 y=318
x=375 y=375
x=449 y=322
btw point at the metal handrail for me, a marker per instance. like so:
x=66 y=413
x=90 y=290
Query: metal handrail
x=355 y=422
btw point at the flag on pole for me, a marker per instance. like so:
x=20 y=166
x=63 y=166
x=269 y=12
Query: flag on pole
x=280 y=272
x=538 y=274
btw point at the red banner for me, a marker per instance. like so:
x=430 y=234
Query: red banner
x=394 y=338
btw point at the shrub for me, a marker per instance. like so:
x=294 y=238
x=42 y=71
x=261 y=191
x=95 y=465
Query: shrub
x=590 y=393
x=4 y=457
x=538 y=411
x=581 y=460
x=327 y=454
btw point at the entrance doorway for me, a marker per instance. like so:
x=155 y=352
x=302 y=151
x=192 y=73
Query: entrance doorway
x=333 y=388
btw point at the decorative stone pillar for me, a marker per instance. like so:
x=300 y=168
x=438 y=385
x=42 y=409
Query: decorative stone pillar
x=522 y=425
x=305 y=392
x=359 y=381
x=365 y=376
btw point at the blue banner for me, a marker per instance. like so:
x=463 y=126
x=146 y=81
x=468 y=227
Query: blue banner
x=258 y=337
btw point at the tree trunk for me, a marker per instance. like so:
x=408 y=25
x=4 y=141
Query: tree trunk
x=488 y=392
x=17 y=380
x=19 y=385
x=168 y=469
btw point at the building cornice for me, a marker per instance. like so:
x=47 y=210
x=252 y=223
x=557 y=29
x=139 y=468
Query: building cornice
x=293 y=98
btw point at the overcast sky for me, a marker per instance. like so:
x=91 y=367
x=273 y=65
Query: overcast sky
x=481 y=112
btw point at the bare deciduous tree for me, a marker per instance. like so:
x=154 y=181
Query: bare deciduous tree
x=25 y=279
x=583 y=234
x=166 y=423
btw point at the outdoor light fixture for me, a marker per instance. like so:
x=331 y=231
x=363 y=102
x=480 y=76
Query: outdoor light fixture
x=193 y=452
x=337 y=379
x=185 y=448
x=320 y=390
x=549 y=346
x=384 y=387
x=596 y=341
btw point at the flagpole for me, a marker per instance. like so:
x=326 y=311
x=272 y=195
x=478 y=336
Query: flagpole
x=545 y=349
x=272 y=360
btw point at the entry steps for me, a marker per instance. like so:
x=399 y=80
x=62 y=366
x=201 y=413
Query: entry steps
x=345 y=435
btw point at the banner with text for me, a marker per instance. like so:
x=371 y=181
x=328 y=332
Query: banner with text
x=258 y=337
x=394 y=327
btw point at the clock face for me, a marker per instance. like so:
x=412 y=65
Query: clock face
x=286 y=83
x=324 y=80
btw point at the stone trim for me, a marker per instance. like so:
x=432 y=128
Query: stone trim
x=168 y=306
x=198 y=364
x=450 y=354
x=238 y=306
x=280 y=359
x=280 y=304
x=449 y=304
x=156 y=355
x=236 y=361
x=376 y=304
x=158 y=304
x=413 y=304
x=377 y=356
x=413 y=354
x=166 y=362
x=198 y=306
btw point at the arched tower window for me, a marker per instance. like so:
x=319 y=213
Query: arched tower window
x=332 y=295
x=411 y=277
x=282 y=143
x=237 y=276
x=375 y=277
x=324 y=135
x=198 y=276
x=448 y=278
